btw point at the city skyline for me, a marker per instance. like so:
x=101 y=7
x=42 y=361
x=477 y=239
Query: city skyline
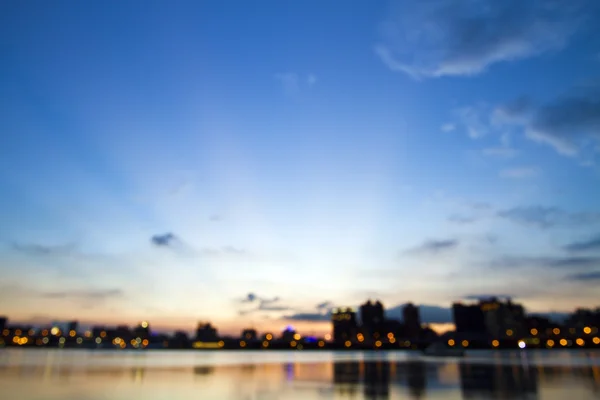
x=259 y=164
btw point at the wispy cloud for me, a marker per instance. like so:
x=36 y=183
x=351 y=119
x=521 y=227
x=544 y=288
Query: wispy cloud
x=293 y=82
x=462 y=219
x=519 y=173
x=443 y=38
x=585 y=277
x=35 y=249
x=433 y=247
x=592 y=244
x=84 y=294
x=163 y=240
x=500 y=152
x=547 y=217
x=448 y=127
x=547 y=262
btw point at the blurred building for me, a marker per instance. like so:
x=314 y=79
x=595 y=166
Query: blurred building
x=344 y=324
x=468 y=318
x=288 y=334
x=72 y=326
x=142 y=330
x=503 y=319
x=412 y=320
x=372 y=317
x=206 y=332
x=583 y=317
x=249 y=334
x=3 y=323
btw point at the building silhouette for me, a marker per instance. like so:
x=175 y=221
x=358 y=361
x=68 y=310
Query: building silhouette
x=412 y=320
x=503 y=319
x=206 y=333
x=3 y=322
x=344 y=324
x=249 y=334
x=468 y=318
x=142 y=330
x=372 y=317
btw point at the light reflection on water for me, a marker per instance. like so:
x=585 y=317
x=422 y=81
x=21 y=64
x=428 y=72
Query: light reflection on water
x=182 y=375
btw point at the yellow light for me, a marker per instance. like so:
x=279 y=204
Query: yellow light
x=16 y=339
x=321 y=343
x=550 y=343
x=378 y=343
x=98 y=340
x=596 y=340
x=269 y=336
x=79 y=340
x=393 y=340
x=55 y=331
x=18 y=332
x=145 y=342
x=556 y=331
x=451 y=342
x=587 y=330
x=534 y=331
x=297 y=336
x=328 y=337
x=145 y=324
x=580 y=342
x=465 y=343
x=23 y=341
x=293 y=343
x=220 y=343
x=390 y=335
x=495 y=343
x=123 y=345
x=88 y=334
x=265 y=343
x=509 y=332
x=200 y=345
x=45 y=340
x=133 y=342
x=347 y=343
x=361 y=338
x=72 y=333
x=242 y=343
x=117 y=340
x=62 y=340
x=563 y=342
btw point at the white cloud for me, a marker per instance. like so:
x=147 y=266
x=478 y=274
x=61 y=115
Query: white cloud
x=448 y=127
x=440 y=38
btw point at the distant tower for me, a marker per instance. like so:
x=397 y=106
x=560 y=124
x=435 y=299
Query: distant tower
x=412 y=320
x=344 y=324
x=372 y=317
x=3 y=323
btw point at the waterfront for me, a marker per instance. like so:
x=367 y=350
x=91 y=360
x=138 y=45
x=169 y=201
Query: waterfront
x=113 y=375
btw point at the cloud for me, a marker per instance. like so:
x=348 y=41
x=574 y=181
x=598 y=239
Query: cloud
x=591 y=244
x=569 y=123
x=445 y=38
x=475 y=119
x=311 y=80
x=164 y=240
x=585 y=276
x=519 y=173
x=215 y=218
x=306 y=316
x=434 y=246
x=43 y=250
x=448 y=127
x=326 y=305
x=250 y=298
x=547 y=217
x=461 y=219
x=486 y=296
x=262 y=304
x=547 y=262
x=84 y=294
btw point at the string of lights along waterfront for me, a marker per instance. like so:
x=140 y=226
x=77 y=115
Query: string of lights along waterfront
x=486 y=324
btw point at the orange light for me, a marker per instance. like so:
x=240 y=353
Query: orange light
x=563 y=342
x=265 y=343
x=495 y=343
x=103 y=334
x=18 y=332
x=580 y=342
x=451 y=342
x=534 y=331
x=321 y=343
x=596 y=340
x=587 y=330
x=378 y=343
x=550 y=343
x=393 y=340
x=268 y=336
x=293 y=343
x=72 y=333
x=297 y=336
x=556 y=331
x=509 y=332
x=347 y=343
x=390 y=335
x=242 y=343
x=5 y=332
x=465 y=343
x=221 y=343
x=145 y=342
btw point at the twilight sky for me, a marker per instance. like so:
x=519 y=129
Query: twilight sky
x=258 y=163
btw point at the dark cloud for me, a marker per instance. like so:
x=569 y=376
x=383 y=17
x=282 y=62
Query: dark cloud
x=547 y=262
x=324 y=305
x=434 y=247
x=462 y=219
x=585 y=276
x=44 y=250
x=437 y=38
x=429 y=314
x=250 y=298
x=591 y=244
x=308 y=317
x=84 y=294
x=547 y=217
x=163 y=240
x=262 y=304
x=486 y=296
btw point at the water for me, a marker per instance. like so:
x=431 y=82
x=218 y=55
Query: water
x=250 y=375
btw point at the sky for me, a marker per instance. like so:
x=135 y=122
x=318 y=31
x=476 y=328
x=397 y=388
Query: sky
x=258 y=163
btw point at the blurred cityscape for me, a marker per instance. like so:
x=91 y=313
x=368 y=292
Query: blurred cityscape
x=485 y=324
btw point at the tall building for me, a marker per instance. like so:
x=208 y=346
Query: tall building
x=206 y=333
x=3 y=323
x=72 y=326
x=412 y=320
x=372 y=317
x=503 y=319
x=142 y=330
x=468 y=318
x=344 y=324
x=249 y=334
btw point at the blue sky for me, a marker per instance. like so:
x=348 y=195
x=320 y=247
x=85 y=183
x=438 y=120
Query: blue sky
x=261 y=163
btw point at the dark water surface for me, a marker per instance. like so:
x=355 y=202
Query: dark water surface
x=249 y=375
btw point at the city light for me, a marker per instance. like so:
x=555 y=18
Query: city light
x=265 y=343
x=144 y=324
x=495 y=343
x=393 y=340
x=556 y=331
x=321 y=343
x=378 y=343
x=242 y=343
x=596 y=340
x=268 y=336
x=145 y=342
x=328 y=337
x=451 y=342
x=534 y=331
x=509 y=332
x=465 y=343
x=563 y=342
x=550 y=343
x=79 y=340
x=297 y=336
x=347 y=343
x=522 y=344
x=72 y=333
x=587 y=330
x=98 y=340
x=293 y=343
x=55 y=331
x=390 y=335
x=580 y=342
x=45 y=340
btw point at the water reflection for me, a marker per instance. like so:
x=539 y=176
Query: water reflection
x=293 y=376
